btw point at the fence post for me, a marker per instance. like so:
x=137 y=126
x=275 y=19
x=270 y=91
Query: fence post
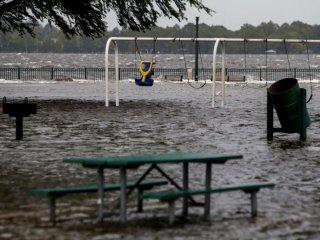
x=19 y=74
x=85 y=73
x=52 y=73
x=260 y=74
x=295 y=73
x=266 y=74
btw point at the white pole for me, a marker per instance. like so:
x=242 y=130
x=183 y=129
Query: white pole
x=214 y=67
x=116 y=59
x=223 y=74
x=106 y=77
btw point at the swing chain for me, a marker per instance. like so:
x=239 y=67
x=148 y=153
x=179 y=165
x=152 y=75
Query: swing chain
x=245 y=58
x=266 y=51
x=154 y=50
x=286 y=50
x=308 y=58
x=185 y=65
x=137 y=48
x=310 y=78
x=201 y=62
x=201 y=86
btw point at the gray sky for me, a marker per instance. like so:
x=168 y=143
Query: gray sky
x=234 y=13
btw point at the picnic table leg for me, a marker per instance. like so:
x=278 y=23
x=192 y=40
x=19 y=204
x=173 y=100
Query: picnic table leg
x=141 y=179
x=254 y=204
x=140 y=190
x=185 y=179
x=123 y=194
x=140 y=200
x=171 y=207
x=175 y=184
x=100 y=194
x=208 y=186
x=52 y=209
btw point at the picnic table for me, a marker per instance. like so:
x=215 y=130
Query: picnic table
x=123 y=163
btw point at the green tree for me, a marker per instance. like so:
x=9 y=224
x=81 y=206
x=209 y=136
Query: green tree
x=86 y=17
x=269 y=29
x=52 y=39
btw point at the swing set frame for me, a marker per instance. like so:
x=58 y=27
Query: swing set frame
x=217 y=42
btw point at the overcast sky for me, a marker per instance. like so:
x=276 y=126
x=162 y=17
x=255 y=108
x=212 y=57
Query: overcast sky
x=234 y=13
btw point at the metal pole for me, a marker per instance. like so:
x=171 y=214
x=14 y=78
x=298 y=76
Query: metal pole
x=123 y=194
x=52 y=209
x=100 y=194
x=116 y=65
x=303 y=113
x=19 y=127
x=214 y=67
x=254 y=204
x=196 y=68
x=207 y=197
x=185 y=180
x=269 y=117
x=223 y=74
x=106 y=73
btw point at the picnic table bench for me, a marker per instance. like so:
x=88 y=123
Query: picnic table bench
x=172 y=195
x=53 y=193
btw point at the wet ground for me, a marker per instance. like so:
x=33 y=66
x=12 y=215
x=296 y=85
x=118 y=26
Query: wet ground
x=72 y=121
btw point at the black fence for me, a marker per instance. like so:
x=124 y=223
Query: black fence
x=51 y=73
x=262 y=74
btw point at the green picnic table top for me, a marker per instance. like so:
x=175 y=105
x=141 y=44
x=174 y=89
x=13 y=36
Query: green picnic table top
x=137 y=160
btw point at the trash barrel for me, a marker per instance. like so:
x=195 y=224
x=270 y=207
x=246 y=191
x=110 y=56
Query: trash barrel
x=285 y=95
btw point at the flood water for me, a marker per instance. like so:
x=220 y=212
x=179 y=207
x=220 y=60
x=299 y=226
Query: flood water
x=39 y=60
x=72 y=121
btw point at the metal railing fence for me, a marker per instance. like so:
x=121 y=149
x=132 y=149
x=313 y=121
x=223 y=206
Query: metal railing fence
x=262 y=74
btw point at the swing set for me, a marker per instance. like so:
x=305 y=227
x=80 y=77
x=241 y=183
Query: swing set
x=146 y=68
x=285 y=41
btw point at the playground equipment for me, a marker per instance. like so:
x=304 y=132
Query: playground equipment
x=217 y=42
x=114 y=41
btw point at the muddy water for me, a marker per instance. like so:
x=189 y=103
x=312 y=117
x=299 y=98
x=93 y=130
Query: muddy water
x=72 y=121
x=163 y=60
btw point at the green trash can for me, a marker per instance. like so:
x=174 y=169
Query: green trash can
x=285 y=95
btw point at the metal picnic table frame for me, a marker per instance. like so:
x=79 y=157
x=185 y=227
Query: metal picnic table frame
x=134 y=161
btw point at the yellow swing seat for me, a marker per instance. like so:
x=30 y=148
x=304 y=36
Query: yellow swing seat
x=146 y=70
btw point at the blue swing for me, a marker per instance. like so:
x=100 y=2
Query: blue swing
x=146 y=70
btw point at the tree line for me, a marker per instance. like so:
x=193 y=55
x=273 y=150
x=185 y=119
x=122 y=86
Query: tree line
x=50 y=39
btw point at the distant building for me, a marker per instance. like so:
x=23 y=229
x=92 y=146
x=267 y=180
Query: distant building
x=271 y=51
